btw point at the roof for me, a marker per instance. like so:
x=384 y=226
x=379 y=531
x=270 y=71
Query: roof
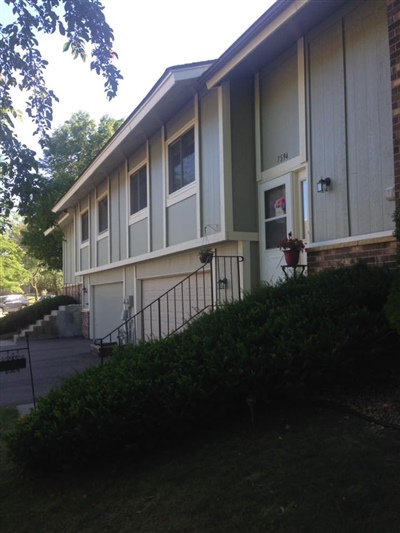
x=174 y=88
x=270 y=35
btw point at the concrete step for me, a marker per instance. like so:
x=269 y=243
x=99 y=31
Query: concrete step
x=64 y=322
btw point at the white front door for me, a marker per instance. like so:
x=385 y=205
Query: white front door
x=276 y=221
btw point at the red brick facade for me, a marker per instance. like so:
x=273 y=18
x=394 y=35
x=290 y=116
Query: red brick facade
x=374 y=251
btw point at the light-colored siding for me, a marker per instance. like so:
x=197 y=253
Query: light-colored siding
x=84 y=255
x=280 y=109
x=350 y=101
x=137 y=158
x=117 y=214
x=93 y=229
x=370 y=147
x=182 y=221
x=102 y=251
x=107 y=306
x=210 y=172
x=156 y=194
x=328 y=133
x=138 y=238
x=244 y=183
x=179 y=121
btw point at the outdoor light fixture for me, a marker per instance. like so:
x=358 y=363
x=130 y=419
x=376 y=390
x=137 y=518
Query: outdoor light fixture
x=323 y=184
x=84 y=290
x=222 y=283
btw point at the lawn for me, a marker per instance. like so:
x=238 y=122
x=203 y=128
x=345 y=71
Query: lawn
x=307 y=469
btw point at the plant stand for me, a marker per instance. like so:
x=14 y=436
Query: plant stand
x=286 y=269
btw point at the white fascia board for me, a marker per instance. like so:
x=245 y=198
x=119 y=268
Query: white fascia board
x=166 y=84
x=283 y=17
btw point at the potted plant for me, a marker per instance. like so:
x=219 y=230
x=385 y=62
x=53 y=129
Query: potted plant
x=205 y=255
x=291 y=246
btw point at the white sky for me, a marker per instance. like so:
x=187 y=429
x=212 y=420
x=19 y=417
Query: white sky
x=150 y=35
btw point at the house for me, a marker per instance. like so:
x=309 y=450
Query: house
x=293 y=129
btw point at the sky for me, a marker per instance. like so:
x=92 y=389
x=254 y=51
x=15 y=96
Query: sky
x=150 y=35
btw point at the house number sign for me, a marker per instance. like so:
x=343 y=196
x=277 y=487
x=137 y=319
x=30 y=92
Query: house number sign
x=283 y=157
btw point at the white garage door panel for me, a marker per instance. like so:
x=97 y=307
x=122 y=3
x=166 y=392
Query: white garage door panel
x=182 y=303
x=108 y=305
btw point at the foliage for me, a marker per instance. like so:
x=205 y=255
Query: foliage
x=68 y=152
x=14 y=322
x=12 y=272
x=291 y=243
x=22 y=68
x=279 y=342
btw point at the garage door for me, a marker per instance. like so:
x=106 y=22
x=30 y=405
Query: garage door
x=182 y=301
x=107 y=309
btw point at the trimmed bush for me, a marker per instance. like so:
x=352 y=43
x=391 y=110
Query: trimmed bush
x=14 y=322
x=279 y=342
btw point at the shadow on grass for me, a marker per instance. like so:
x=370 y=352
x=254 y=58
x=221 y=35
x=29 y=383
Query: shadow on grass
x=298 y=470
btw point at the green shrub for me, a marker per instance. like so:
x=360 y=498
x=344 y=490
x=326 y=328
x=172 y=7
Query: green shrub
x=18 y=320
x=294 y=338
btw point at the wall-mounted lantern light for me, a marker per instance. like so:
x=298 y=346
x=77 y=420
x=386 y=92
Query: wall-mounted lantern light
x=84 y=290
x=323 y=185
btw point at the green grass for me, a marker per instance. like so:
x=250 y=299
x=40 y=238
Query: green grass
x=304 y=470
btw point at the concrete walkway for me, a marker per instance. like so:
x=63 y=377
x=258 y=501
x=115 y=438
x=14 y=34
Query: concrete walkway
x=52 y=360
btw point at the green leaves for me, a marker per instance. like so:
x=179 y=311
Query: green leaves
x=21 y=59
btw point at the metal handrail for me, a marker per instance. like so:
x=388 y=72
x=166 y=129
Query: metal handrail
x=173 y=310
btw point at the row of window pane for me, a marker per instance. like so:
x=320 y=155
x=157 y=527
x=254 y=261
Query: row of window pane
x=181 y=173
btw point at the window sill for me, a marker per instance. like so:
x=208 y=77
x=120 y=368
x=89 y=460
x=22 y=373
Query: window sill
x=182 y=194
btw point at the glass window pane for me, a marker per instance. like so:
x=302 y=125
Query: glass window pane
x=85 y=226
x=142 y=188
x=188 y=158
x=275 y=231
x=304 y=202
x=103 y=214
x=175 y=168
x=275 y=202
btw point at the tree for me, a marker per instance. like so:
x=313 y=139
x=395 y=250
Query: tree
x=12 y=272
x=68 y=152
x=22 y=66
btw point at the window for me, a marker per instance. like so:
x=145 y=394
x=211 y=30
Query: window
x=85 y=226
x=138 y=190
x=181 y=162
x=103 y=214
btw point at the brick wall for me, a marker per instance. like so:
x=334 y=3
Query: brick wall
x=379 y=252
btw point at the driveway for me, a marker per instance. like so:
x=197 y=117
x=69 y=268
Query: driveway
x=52 y=360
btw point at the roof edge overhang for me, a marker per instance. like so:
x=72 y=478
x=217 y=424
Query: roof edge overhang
x=172 y=78
x=277 y=15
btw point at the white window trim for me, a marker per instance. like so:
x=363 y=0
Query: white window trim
x=104 y=233
x=143 y=213
x=191 y=188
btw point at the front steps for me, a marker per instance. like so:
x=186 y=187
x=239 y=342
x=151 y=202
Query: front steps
x=64 y=322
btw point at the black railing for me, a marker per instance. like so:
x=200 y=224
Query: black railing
x=213 y=284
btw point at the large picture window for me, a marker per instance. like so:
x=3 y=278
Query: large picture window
x=138 y=191
x=181 y=162
x=103 y=214
x=85 y=226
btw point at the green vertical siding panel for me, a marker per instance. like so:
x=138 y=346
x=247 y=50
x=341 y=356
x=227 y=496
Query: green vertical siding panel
x=182 y=221
x=210 y=172
x=244 y=183
x=156 y=193
x=369 y=118
x=328 y=134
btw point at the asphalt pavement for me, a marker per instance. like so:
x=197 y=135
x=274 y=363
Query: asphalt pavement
x=52 y=360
